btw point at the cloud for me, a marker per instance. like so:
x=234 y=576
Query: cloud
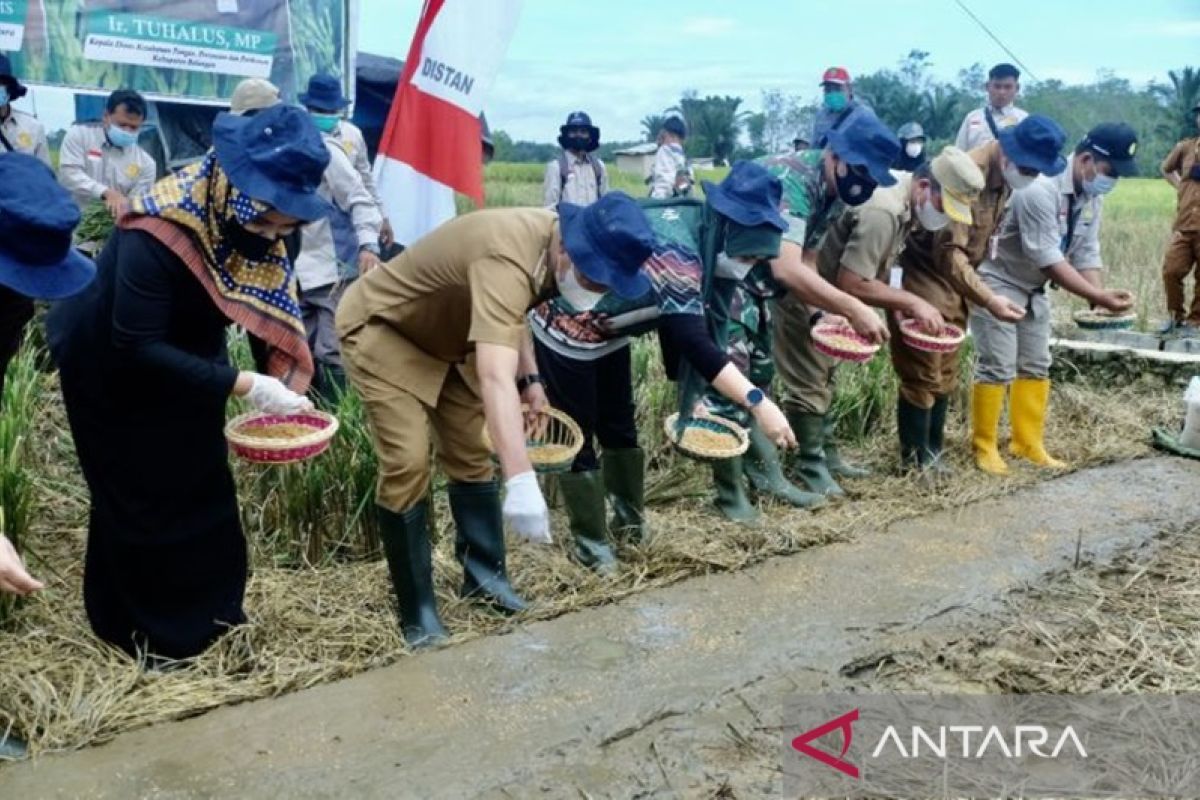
x=708 y=26
x=1175 y=28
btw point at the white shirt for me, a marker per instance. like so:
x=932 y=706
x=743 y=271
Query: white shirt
x=974 y=130
x=579 y=186
x=88 y=165
x=25 y=135
x=317 y=264
x=669 y=159
x=348 y=135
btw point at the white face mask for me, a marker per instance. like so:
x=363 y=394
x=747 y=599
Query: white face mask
x=913 y=149
x=730 y=268
x=572 y=291
x=1014 y=178
x=931 y=219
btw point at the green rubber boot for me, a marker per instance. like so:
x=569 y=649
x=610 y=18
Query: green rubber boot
x=810 y=454
x=763 y=469
x=625 y=481
x=833 y=458
x=732 y=500
x=912 y=423
x=583 y=495
x=405 y=539
x=937 y=437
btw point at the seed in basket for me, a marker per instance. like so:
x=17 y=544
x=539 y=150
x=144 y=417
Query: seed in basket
x=548 y=453
x=281 y=430
x=698 y=438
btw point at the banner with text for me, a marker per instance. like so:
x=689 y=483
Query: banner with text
x=182 y=50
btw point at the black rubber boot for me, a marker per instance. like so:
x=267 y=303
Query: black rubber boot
x=479 y=545
x=732 y=500
x=913 y=426
x=625 y=481
x=833 y=458
x=937 y=435
x=810 y=454
x=763 y=469
x=405 y=539
x=583 y=495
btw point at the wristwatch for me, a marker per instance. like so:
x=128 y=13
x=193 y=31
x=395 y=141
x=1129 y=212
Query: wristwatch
x=754 y=397
x=525 y=381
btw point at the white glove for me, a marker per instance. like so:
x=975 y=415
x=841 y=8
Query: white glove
x=271 y=396
x=525 y=509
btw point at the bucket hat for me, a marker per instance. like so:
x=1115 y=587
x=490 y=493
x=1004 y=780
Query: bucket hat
x=609 y=241
x=277 y=157
x=37 y=217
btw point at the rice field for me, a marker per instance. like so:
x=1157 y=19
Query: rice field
x=318 y=600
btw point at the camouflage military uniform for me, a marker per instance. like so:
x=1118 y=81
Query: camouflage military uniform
x=808 y=209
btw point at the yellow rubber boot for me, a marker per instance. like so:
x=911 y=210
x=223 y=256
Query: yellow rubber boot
x=987 y=401
x=1027 y=411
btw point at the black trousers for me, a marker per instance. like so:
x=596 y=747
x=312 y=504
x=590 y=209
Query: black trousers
x=596 y=394
x=15 y=312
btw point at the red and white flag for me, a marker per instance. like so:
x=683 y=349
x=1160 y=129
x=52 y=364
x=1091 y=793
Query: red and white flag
x=431 y=143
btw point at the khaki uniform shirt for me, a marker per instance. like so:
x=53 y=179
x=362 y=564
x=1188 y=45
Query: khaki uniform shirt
x=580 y=186
x=88 y=165
x=354 y=146
x=469 y=281
x=25 y=135
x=939 y=267
x=866 y=239
x=1183 y=159
x=975 y=132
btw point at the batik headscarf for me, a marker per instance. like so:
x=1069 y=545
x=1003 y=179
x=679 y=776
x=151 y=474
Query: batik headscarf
x=188 y=213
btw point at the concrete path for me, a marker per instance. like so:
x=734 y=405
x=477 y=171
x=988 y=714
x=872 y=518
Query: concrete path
x=572 y=707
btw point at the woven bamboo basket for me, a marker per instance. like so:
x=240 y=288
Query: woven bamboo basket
x=552 y=441
x=946 y=341
x=706 y=438
x=843 y=342
x=280 y=438
x=1100 y=320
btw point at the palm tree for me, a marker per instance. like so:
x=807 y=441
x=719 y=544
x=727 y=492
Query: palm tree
x=714 y=124
x=1180 y=97
x=942 y=111
x=651 y=125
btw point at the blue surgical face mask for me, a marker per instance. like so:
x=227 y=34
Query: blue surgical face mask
x=326 y=123
x=1100 y=185
x=835 y=101
x=3 y=95
x=119 y=137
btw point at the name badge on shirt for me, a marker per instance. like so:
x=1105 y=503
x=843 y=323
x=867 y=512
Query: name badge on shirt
x=95 y=155
x=896 y=278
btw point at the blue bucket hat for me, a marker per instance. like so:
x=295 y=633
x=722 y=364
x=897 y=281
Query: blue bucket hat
x=324 y=93
x=609 y=241
x=749 y=196
x=862 y=140
x=37 y=217
x=1035 y=143
x=276 y=157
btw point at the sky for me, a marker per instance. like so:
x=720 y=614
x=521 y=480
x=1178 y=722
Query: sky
x=620 y=60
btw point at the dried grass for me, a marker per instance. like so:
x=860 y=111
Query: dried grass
x=60 y=688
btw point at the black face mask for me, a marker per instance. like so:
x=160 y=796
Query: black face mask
x=854 y=188
x=579 y=142
x=247 y=244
